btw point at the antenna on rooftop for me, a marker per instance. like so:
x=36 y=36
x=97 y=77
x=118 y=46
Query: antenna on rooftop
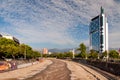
x=102 y=10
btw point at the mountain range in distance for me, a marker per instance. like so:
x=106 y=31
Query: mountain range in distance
x=60 y=50
x=68 y=49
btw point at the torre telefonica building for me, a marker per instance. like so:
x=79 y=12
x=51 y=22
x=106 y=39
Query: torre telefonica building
x=98 y=31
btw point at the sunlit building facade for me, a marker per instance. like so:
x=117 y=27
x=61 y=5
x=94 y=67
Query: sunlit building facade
x=45 y=51
x=98 y=32
x=11 y=37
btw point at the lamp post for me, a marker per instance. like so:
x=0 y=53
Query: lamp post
x=25 y=52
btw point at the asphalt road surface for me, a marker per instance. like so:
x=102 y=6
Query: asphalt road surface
x=56 y=71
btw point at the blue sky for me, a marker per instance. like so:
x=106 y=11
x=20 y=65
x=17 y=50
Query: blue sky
x=57 y=23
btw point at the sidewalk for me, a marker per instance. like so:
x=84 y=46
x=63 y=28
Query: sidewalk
x=23 y=73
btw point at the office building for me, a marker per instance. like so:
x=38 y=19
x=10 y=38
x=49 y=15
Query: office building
x=45 y=51
x=98 y=31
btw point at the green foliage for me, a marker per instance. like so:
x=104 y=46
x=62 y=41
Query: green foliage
x=104 y=54
x=27 y=52
x=81 y=55
x=10 y=49
x=113 y=54
x=4 y=41
x=45 y=55
x=60 y=55
x=36 y=54
x=53 y=55
x=93 y=54
x=68 y=54
x=82 y=49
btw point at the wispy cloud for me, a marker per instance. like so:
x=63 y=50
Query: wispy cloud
x=60 y=22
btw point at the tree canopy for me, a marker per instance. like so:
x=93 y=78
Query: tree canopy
x=93 y=54
x=113 y=54
x=11 y=49
x=82 y=49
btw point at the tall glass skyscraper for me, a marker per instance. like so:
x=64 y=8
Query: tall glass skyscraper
x=98 y=31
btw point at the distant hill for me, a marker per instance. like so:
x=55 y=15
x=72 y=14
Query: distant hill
x=64 y=50
x=59 y=50
x=68 y=49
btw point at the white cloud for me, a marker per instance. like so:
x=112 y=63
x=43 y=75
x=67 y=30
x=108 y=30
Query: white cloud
x=37 y=21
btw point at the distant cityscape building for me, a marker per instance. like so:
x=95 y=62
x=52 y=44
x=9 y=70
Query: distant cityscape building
x=98 y=31
x=119 y=51
x=11 y=37
x=45 y=51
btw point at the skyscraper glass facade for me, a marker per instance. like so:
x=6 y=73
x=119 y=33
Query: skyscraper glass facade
x=98 y=32
x=94 y=31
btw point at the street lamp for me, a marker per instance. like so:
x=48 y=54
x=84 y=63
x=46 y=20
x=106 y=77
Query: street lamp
x=25 y=52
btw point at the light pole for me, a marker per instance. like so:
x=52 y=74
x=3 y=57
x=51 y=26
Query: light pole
x=25 y=52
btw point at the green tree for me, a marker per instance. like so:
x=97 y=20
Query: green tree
x=60 y=55
x=8 y=48
x=104 y=55
x=82 y=49
x=2 y=51
x=93 y=54
x=68 y=54
x=36 y=54
x=26 y=51
x=4 y=41
x=113 y=54
x=11 y=49
x=53 y=55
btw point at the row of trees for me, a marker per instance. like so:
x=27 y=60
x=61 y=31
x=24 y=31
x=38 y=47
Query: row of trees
x=94 y=54
x=113 y=54
x=59 y=55
x=11 y=49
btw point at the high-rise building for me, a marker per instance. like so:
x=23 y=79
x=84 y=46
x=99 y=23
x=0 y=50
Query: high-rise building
x=45 y=51
x=98 y=31
x=119 y=50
